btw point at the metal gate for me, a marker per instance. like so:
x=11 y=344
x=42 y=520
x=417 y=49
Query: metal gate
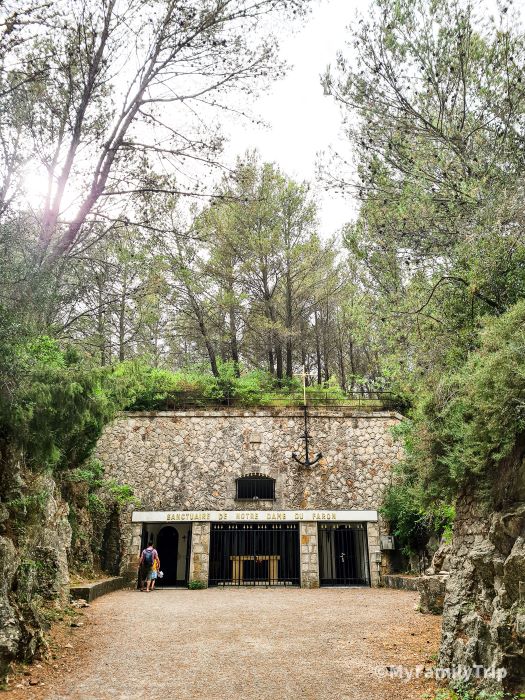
x=254 y=554
x=343 y=554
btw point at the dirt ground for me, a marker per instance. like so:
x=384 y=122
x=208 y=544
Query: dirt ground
x=228 y=644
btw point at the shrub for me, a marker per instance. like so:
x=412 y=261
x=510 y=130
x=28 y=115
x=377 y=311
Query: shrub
x=57 y=406
x=137 y=387
x=412 y=516
x=475 y=415
x=195 y=585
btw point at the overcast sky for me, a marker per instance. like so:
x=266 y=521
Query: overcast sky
x=303 y=121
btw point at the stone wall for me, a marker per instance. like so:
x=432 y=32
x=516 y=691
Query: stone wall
x=309 y=555
x=200 y=553
x=190 y=460
x=374 y=552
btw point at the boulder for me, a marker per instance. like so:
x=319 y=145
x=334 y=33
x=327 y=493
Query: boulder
x=431 y=593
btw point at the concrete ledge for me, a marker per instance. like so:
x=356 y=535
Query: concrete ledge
x=90 y=591
x=269 y=412
x=400 y=581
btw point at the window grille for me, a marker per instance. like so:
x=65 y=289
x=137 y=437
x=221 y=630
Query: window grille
x=253 y=487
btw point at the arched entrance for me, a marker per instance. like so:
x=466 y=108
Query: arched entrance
x=167 y=547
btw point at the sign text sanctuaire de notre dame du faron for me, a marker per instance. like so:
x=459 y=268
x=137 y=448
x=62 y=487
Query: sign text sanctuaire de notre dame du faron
x=255 y=515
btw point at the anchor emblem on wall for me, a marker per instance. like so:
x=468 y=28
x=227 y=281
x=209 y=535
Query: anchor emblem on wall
x=306 y=435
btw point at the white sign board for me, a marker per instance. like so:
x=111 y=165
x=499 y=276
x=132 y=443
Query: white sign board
x=265 y=516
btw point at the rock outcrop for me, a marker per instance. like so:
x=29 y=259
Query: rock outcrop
x=34 y=539
x=484 y=612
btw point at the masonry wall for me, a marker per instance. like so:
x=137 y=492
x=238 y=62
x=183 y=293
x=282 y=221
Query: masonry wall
x=308 y=544
x=190 y=460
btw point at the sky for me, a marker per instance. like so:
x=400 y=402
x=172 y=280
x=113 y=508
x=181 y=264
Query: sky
x=303 y=122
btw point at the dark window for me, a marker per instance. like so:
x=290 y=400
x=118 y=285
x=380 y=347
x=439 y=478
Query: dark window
x=255 y=487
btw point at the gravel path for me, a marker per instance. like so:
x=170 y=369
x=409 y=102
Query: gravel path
x=224 y=644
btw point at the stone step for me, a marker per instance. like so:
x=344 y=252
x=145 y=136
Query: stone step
x=89 y=590
x=404 y=582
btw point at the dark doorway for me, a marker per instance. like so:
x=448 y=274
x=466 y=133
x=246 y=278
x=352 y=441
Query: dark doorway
x=168 y=547
x=343 y=554
x=254 y=554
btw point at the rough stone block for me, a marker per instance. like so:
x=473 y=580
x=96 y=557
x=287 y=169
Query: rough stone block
x=431 y=593
x=398 y=581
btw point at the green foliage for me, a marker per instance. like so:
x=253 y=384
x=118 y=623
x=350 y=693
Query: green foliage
x=86 y=489
x=438 y=239
x=195 y=585
x=139 y=387
x=56 y=406
x=406 y=504
x=460 y=431
x=443 y=515
x=30 y=504
x=101 y=492
x=410 y=523
x=475 y=415
x=120 y=494
x=96 y=506
x=90 y=473
x=251 y=387
x=328 y=390
x=462 y=691
x=26 y=511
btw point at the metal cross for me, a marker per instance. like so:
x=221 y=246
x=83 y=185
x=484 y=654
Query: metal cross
x=306 y=435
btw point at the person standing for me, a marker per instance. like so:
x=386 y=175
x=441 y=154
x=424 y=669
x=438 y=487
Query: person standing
x=156 y=569
x=148 y=559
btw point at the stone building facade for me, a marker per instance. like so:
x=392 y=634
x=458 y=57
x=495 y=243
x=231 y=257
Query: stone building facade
x=317 y=525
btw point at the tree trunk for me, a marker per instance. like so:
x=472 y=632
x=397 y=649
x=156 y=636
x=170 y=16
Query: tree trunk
x=352 y=362
x=289 y=323
x=122 y=324
x=304 y=358
x=326 y=346
x=271 y=361
x=342 y=366
x=289 y=358
x=279 y=359
x=234 y=347
x=340 y=353
x=274 y=342
x=204 y=332
x=209 y=347
x=318 y=349
x=101 y=330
